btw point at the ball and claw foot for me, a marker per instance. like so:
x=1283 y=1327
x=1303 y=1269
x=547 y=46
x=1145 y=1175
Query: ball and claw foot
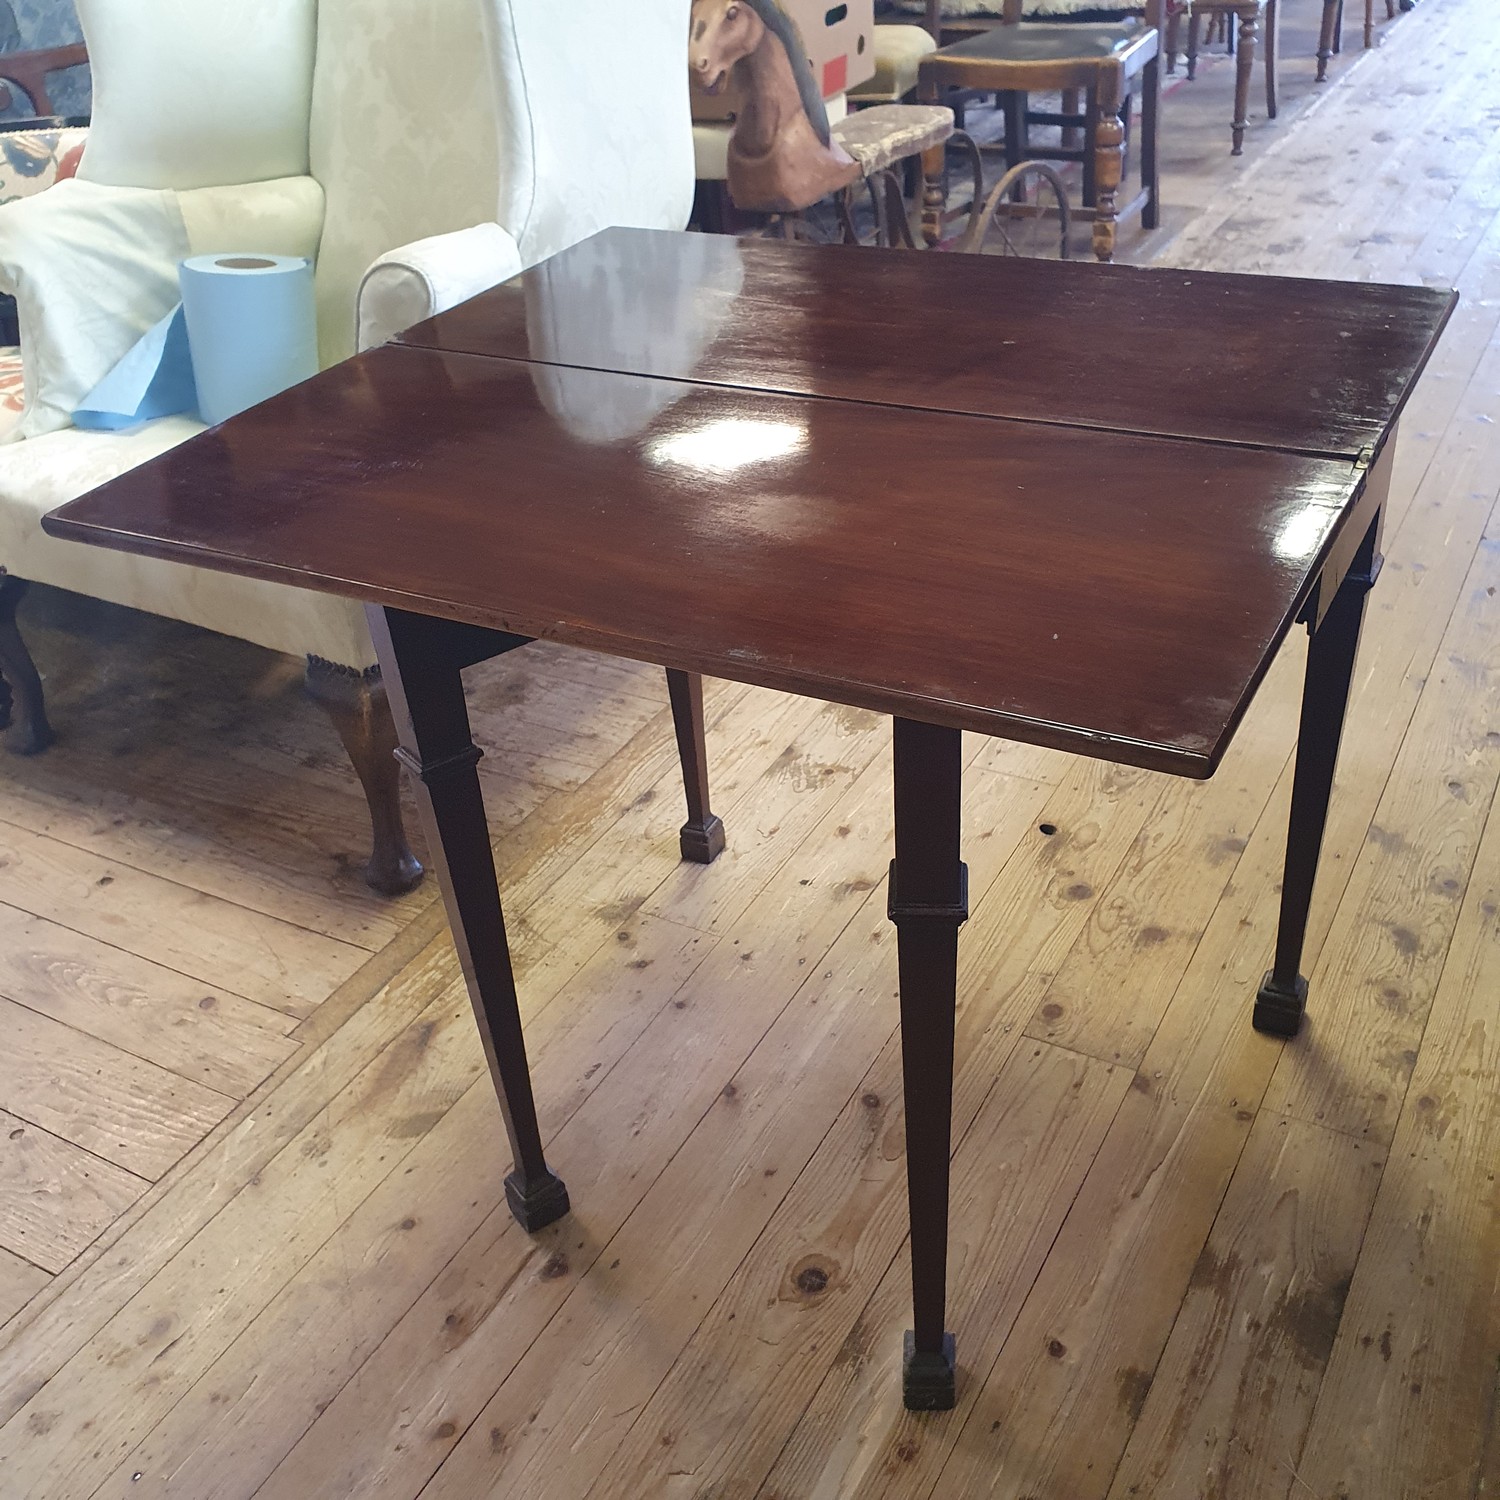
x=702 y=843
x=929 y=1382
x=1278 y=1012
x=538 y=1205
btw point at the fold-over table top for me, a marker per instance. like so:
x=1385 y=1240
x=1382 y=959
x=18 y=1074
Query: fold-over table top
x=1026 y=498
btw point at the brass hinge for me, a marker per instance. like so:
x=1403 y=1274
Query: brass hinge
x=1365 y=457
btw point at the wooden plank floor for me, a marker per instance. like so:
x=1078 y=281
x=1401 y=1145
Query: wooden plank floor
x=252 y=1234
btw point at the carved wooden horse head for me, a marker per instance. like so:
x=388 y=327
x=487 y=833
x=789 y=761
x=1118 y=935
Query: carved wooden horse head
x=781 y=155
x=723 y=32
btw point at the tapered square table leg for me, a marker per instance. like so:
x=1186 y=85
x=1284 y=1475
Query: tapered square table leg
x=928 y=901
x=702 y=836
x=426 y=693
x=1282 y=998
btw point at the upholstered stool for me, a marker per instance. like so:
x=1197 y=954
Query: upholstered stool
x=899 y=51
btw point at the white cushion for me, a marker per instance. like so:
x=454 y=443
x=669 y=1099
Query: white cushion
x=429 y=276
x=92 y=267
x=595 y=124
x=39 y=475
x=198 y=93
x=284 y=217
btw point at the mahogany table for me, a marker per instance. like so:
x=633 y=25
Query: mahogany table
x=909 y=483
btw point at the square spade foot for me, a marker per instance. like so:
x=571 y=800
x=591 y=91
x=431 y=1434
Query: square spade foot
x=540 y=1204
x=702 y=843
x=929 y=1382
x=1278 y=1012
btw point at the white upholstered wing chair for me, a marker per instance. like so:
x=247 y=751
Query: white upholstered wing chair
x=428 y=149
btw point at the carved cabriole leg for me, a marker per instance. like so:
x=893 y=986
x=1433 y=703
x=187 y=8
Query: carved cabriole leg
x=1282 y=997
x=356 y=703
x=1195 y=36
x=702 y=837
x=1109 y=162
x=1244 y=75
x=1172 y=41
x=928 y=900
x=23 y=705
x=1327 y=37
x=432 y=721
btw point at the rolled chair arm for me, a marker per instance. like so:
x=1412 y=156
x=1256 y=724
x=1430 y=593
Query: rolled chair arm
x=429 y=276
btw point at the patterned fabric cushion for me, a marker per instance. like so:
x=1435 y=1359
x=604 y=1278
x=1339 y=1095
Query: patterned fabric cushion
x=32 y=160
x=1032 y=10
x=12 y=390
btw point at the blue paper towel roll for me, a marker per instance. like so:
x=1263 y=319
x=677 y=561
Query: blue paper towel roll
x=252 y=327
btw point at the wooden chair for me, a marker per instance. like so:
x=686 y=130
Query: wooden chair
x=1331 y=36
x=1105 y=62
x=1253 y=20
x=28 y=71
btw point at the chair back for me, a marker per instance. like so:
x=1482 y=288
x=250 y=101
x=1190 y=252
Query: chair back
x=403 y=137
x=595 y=124
x=198 y=93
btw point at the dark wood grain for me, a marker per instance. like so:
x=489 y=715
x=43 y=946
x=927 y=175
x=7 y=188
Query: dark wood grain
x=1310 y=366
x=1110 y=594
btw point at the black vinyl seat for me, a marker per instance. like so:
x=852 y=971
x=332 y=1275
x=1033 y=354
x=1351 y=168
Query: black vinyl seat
x=1037 y=41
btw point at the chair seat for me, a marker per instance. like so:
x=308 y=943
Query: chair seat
x=1032 y=10
x=880 y=137
x=899 y=51
x=1042 y=43
x=41 y=473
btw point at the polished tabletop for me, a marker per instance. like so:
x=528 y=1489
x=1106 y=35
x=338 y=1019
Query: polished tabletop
x=1298 y=365
x=1105 y=591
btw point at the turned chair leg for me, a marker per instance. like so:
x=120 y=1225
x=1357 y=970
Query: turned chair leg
x=22 y=705
x=1109 y=161
x=356 y=703
x=1328 y=36
x=1245 y=68
x=934 y=193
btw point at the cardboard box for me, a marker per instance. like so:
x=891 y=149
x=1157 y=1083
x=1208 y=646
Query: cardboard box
x=840 y=40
